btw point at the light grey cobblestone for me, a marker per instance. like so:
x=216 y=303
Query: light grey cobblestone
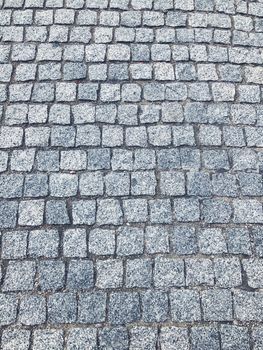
x=19 y=339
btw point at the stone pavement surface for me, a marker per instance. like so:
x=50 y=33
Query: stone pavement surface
x=131 y=160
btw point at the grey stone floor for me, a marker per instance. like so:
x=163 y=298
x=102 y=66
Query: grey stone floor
x=131 y=160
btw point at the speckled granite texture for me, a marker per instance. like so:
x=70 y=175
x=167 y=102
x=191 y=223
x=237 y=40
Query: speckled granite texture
x=131 y=160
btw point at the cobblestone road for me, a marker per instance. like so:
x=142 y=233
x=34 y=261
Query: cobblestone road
x=131 y=160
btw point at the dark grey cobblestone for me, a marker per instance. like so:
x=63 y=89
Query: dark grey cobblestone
x=131 y=174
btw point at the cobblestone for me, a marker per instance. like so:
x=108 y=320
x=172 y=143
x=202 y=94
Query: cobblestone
x=131 y=174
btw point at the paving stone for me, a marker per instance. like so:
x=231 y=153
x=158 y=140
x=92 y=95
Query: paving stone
x=185 y=306
x=168 y=272
x=83 y=113
x=224 y=185
x=47 y=160
x=244 y=115
x=80 y=34
x=23 y=52
x=43 y=92
x=3 y=161
x=51 y=275
x=186 y=209
x=217 y=211
x=11 y=186
x=19 y=276
x=183 y=240
x=256 y=232
x=124 y=308
x=91 y=184
x=130 y=241
x=62 y=308
x=172 y=183
x=4 y=53
x=109 y=273
x=88 y=135
x=31 y=213
x=249 y=211
x=172 y=112
x=150 y=114
x=56 y=212
x=8 y=307
x=223 y=91
x=99 y=159
x=210 y=135
x=58 y=33
x=143 y=337
x=127 y=114
x=101 y=242
x=238 y=241
x=131 y=19
x=135 y=210
x=160 y=211
x=156 y=239
x=122 y=160
x=51 y=338
x=218 y=112
x=257 y=337
x=73 y=160
x=112 y=136
x=37 y=136
x=131 y=93
x=59 y=114
x=95 y=52
x=168 y=159
x=15 y=339
x=211 y=241
x=223 y=300
x=172 y=338
x=227 y=272
x=75 y=243
x=143 y=183
x=22 y=160
x=159 y=135
x=234 y=336
x=199 y=272
x=141 y=52
x=204 y=337
x=32 y=310
x=250 y=94
x=49 y=71
x=241 y=300
x=36 y=185
x=114 y=337
x=63 y=136
x=216 y=159
x=83 y=212
x=154 y=306
x=54 y=4
x=74 y=52
x=253 y=272
x=77 y=338
x=247 y=159
x=14 y=244
x=138 y=273
x=109 y=212
x=8 y=214
x=80 y=274
x=92 y=307
x=136 y=136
